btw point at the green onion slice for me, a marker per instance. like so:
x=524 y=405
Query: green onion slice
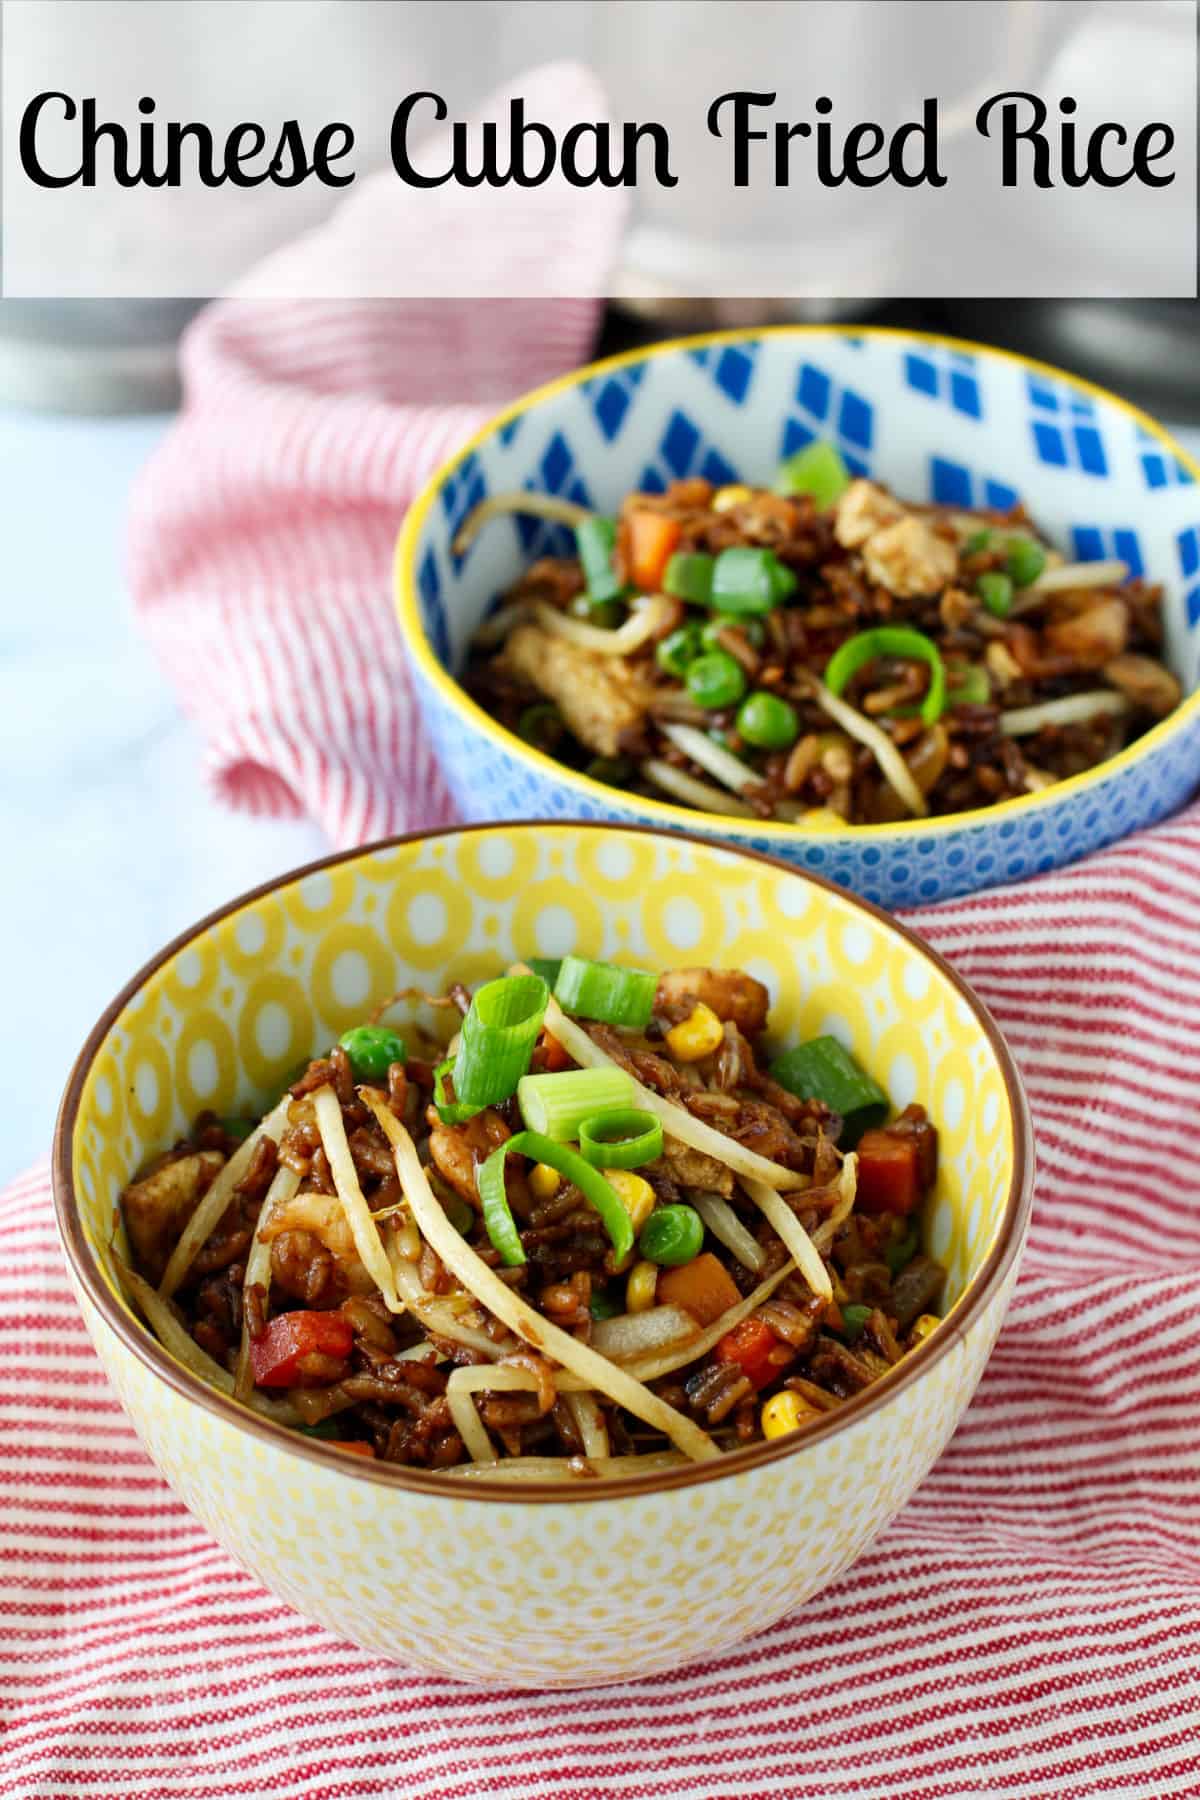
x=498 y=1036
x=817 y=470
x=545 y=966
x=556 y=1105
x=621 y=1140
x=595 y=540
x=498 y=1219
x=689 y=576
x=597 y=990
x=747 y=579
x=822 y=1070
x=890 y=640
x=450 y=1112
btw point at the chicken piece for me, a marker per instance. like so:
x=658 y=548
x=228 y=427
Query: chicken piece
x=909 y=558
x=602 y=698
x=730 y=993
x=863 y=510
x=1145 y=682
x=458 y=1151
x=158 y=1207
x=1093 y=637
x=694 y=1169
x=322 y=1216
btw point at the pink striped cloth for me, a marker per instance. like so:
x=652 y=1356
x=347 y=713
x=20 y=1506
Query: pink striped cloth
x=1028 y=1627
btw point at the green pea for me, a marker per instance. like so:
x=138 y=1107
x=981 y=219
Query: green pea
x=672 y=1235
x=1024 y=562
x=996 y=592
x=603 y=1305
x=854 y=1318
x=715 y=679
x=372 y=1049
x=978 y=540
x=678 y=649
x=752 y=629
x=767 y=722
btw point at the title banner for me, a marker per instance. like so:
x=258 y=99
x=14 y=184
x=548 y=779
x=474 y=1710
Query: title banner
x=806 y=149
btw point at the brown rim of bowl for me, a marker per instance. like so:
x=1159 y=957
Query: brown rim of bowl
x=139 y=1340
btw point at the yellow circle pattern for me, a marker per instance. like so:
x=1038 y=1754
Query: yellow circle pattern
x=462 y=908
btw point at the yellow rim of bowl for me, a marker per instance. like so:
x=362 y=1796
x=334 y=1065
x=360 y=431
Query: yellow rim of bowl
x=409 y=612
x=136 y=1338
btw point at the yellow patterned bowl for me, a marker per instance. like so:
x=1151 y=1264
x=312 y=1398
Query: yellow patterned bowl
x=538 y=1586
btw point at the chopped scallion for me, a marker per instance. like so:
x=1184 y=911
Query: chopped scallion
x=597 y=990
x=621 y=1140
x=817 y=470
x=498 y=1036
x=822 y=1070
x=595 y=540
x=556 y=1105
x=599 y=1194
x=900 y=641
x=689 y=576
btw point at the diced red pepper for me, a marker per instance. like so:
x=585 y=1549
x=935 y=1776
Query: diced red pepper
x=888 y=1172
x=278 y=1357
x=752 y=1345
x=652 y=541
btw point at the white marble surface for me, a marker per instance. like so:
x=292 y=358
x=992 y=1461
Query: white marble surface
x=112 y=843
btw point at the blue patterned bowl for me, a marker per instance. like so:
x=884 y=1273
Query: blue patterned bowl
x=933 y=418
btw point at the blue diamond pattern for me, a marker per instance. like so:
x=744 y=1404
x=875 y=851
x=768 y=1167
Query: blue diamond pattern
x=909 y=406
x=683 y=451
x=816 y=395
x=1097 y=543
x=433 y=613
x=953 y=484
x=946 y=375
x=730 y=367
x=612 y=395
x=1072 y=439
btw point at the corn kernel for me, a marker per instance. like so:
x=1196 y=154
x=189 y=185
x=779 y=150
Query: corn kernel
x=543 y=1181
x=733 y=495
x=641 y=1287
x=698 y=1035
x=925 y=1324
x=637 y=1196
x=785 y=1412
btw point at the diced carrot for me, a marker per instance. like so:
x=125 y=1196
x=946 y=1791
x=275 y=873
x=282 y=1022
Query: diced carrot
x=888 y=1172
x=702 y=1287
x=652 y=539
x=354 y=1447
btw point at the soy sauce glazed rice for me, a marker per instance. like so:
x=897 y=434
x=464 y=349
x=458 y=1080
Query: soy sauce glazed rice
x=605 y=1229
x=819 y=652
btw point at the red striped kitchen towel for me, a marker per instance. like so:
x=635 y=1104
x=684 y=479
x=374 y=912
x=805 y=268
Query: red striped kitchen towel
x=1028 y=1628
x=261 y=534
